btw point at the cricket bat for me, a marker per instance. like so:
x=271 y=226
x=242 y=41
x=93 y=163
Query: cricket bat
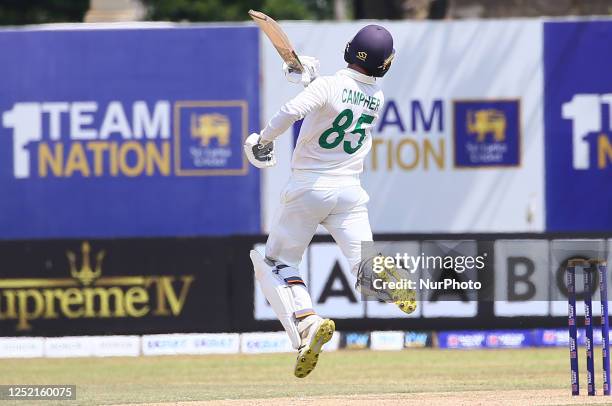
x=279 y=39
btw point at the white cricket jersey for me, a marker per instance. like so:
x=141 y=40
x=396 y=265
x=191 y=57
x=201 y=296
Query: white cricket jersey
x=339 y=113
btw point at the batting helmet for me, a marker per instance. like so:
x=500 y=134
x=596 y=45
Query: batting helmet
x=372 y=49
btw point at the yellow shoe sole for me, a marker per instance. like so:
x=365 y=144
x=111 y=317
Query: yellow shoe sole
x=405 y=299
x=408 y=306
x=309 y=355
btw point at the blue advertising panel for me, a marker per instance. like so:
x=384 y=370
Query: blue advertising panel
x=578 y=140
x=486 y=339
x=486 y=133
x=128 y=132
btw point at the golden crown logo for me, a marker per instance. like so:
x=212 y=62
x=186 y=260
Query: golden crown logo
x=362 y=55
x=86 y=275
x=209 y=126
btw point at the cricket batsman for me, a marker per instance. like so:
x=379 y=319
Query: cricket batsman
x=339 y=113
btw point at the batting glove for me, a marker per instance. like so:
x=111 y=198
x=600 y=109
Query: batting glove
x=261 y=155
x=311 y=71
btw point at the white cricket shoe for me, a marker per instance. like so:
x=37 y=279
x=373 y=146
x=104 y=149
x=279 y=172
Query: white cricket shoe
x=315 y=331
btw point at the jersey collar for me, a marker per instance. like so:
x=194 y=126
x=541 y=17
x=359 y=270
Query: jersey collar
x=360 y=77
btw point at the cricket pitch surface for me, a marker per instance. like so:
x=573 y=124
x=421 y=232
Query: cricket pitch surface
x=408 y=377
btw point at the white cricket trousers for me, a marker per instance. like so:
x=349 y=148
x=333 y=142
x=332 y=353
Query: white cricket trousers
x=336 y=202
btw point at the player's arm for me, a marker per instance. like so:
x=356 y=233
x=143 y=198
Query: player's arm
x=259 y=148
x=312 y=98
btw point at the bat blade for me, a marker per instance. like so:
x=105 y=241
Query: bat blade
x=279 y=39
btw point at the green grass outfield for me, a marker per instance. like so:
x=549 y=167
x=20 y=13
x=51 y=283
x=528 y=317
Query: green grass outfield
x=459 y=376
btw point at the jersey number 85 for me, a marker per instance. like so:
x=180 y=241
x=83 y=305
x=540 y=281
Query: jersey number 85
x=341 y=123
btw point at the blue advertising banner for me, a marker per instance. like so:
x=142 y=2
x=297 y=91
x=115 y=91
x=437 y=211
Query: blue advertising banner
x=486 y=133
x=486 y=339
x=578 y=101
x=128 y=132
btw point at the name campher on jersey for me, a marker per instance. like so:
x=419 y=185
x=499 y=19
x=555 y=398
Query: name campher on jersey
x=357 y=98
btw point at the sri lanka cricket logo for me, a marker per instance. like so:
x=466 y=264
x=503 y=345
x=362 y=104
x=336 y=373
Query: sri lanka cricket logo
x=208 y=127
x=487 y=133
x=487 y=121
x=216 y=131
